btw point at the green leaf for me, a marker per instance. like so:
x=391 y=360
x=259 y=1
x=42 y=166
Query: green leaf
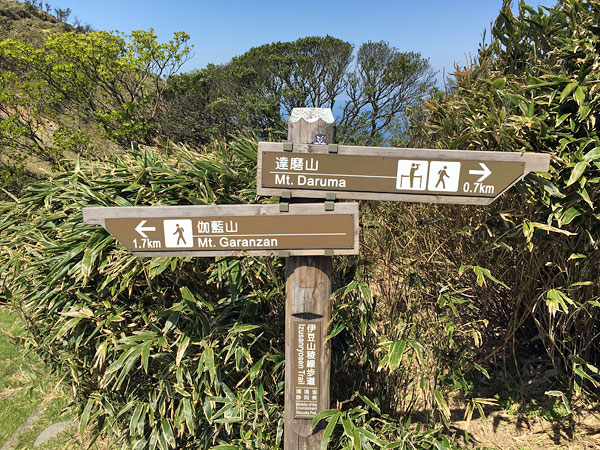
x=561 y=119
x=371 y=405
x=556 y=298
x=243 y=328
x=592 y=154
x=482 y=273
x=547 y=186
x=562 y=396
x=255 y=369
x=569 y=88
x=323 y=415
x=85 y=416
x=231 y=419
x=576 y=172
x=568 y=216
x=396 y=352
x=146 y=355
x=416 y=346
x=546 y=227
x=187 y=294
x=583 y=193
x=329 y=429
x=209 y=360
x=579 y=95
x=443 y=406
x=337 y=330
x=365 y=291
x=482 y=370
x=133 y=423
x=579 y=371
x=392 y=445
x=348 y=427
x=171 y=322
x=370 y=436
x=182 y=347
x=351 y=286
x=168 y=433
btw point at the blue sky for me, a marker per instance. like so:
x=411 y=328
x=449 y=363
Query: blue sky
x=445 y=31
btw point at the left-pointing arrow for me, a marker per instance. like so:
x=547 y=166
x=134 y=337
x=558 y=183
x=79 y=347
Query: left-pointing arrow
x=141 y=229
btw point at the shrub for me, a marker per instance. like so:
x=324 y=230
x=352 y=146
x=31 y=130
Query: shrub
x=188 y=353
x=535 y=88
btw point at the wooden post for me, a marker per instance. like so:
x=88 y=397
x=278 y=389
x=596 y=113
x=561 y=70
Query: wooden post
x=308 y=289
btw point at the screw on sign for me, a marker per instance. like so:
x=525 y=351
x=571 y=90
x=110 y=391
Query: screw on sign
x=311 y=166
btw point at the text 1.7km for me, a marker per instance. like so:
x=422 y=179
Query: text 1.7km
x=146 y=243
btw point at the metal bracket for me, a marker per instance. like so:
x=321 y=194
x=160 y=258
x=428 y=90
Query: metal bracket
x=329 y=201
x=283 y=254
x=328 y=252
x=332 y=148
x=288 y=146
x=284 y=201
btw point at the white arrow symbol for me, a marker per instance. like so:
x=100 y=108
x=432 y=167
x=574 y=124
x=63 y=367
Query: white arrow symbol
x=141 y=228
x=484 y=173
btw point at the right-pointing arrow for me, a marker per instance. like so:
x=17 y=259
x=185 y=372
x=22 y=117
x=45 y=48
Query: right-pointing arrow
x=141 y=229
x=486 y=172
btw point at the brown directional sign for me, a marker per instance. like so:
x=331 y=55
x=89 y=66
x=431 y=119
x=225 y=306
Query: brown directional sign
x=386 y=173
x=307 y=229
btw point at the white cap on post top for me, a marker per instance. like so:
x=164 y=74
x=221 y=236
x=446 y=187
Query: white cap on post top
x=312 y=115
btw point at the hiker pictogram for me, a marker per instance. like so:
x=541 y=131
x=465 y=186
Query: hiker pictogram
x=444 y=176
x=178 y=233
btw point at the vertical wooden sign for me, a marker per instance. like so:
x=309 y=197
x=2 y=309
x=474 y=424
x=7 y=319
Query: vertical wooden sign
x=308 y=289
x=307 y=366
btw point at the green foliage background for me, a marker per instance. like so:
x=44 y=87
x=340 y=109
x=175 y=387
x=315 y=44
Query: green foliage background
x=188 y=353
x=536 y=88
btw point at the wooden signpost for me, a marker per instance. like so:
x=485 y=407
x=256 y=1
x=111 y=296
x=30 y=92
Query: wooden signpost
x=307 y=310
x=385 y=173
x=311 y=165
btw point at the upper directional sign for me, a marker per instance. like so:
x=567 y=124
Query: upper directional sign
x=386 y=173
x=307 y=229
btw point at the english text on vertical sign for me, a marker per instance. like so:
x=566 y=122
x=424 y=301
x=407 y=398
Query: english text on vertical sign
x=307 y=357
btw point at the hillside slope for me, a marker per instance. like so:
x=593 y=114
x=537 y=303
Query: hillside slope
x=26 y=23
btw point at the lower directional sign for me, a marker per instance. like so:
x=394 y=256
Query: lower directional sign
x=306 y=229
x=386 y=173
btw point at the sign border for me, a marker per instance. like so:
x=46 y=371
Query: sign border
x=533 y=162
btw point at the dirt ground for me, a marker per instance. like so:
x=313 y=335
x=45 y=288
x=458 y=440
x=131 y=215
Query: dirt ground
x=505 y=431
